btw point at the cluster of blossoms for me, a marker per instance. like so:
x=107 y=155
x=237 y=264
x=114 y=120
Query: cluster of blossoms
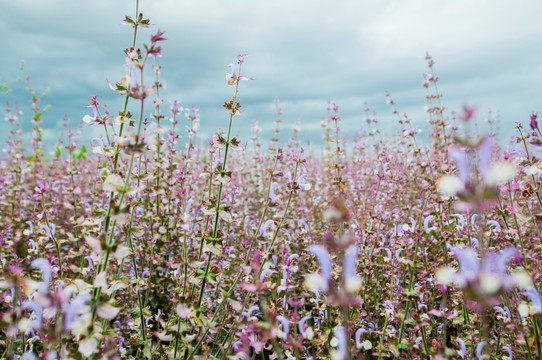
x=146 y=249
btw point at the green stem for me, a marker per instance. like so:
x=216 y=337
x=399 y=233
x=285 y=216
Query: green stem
x=219 y=196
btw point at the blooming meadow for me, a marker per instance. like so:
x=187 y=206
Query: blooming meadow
x=153 y=243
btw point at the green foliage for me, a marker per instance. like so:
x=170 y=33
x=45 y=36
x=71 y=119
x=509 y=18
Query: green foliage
x=78 y=154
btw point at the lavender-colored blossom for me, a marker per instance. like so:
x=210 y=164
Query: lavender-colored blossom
x=305 y=224
x=360 y=332
x=251 y=310
x=37 y=310
x=479 y=349
x=29 y=223
x=535 y=298
x=272 y=189
x=494 y=224
x=462 y=163
x=35 y=246
x=29 y=355
x=509 y=351
x=99 y=141
x=90 y=264
x=49 y=230
x=302 y=322
x=469 y=265
x=237 y=346
x=412 y=223
x=502 y=311
x=398 y=254
x=426 y=222
x=264 y=274
x=388 y=252
x=317 y=295
x=484 y=156
x=496 y=263
x=388 y=305
x=70 y=315
x=463 y=351
x=45 y=267
x=274 y=258
x=285 y=325
x=492 y=268
x=461 y=220
x=323 y=259
x=302 y=182
x=292 y=257
x=340 y=333
x=265 y=226
x=52 y=355
x=349 y=263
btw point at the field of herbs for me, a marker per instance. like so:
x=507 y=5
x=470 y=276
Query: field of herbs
x=151 y=242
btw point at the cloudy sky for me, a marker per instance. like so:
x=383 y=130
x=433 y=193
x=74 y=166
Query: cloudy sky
x=305 y=52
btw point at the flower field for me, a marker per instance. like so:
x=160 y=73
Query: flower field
x=151 y=242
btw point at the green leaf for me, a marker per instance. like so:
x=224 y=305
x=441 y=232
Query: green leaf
x=128 y=20
x=78 y=154
x=58 y=150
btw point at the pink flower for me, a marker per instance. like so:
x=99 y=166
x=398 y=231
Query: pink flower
x=468 y=113
x=232 y=77
x=534 y=123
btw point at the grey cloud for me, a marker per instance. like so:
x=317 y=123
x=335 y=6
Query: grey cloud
x=304 y=52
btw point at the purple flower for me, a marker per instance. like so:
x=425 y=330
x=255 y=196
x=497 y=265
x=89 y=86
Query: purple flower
x=29 y=355
x=70 y=315
x=264 y=274
x=43 y=265
x=463 y=351
x=175 y=107
x=52 y=355
x=509 y=351
x=495 y=225
x=302 y=324
x=285 y=326
x=324 y=260
x=472 y=189
x=37 y=310
x=535 y=298
x=272 y=198
x=469 y=265
x=426 y=222
x=479 y=349
x=534 y=123
x=360 y=332
x=483 y=277
x=342 y=349
x=351 y=282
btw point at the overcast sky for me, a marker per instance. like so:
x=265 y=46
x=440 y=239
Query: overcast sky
x=306 y=52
